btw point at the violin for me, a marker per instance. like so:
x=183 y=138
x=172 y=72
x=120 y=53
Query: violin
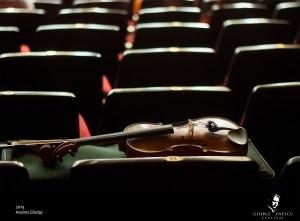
x=204 y=136
x=200 y=137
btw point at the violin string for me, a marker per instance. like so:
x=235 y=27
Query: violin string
x=185 y=124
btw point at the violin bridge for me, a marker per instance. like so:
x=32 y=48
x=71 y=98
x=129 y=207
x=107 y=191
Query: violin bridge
x=191 y=128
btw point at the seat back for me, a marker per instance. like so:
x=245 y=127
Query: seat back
x=14 y=179
x=115 y=17
x=262 y=64
x=289 y=11
x=10 y=39
x=161 y=3
x=169 y=14
x=76 y=72
x=172 y=34
x=38 y=115
x=164 y=104
x=223 y=12
x=168 y=67
x=246 y=32
x=103 y=39
x=27 y=20
x=271 y=119
x=110 y=4
x=51 y=7
x=289 y=182
x=209 y=178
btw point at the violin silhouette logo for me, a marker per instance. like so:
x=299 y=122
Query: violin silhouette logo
x=274 y=203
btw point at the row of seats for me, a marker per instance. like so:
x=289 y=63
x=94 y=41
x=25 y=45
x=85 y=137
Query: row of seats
x=235 y=33
x=126 y=106
x=148 y=68
x=126 y=174
x=119 y=16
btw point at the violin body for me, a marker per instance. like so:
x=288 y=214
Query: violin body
x=191 y=139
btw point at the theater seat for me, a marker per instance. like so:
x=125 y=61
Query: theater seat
x=161 y=3
x=168 y=67
x=51 y=7
x=13 y=179
x=251 y=31
x=172 y=34
x=103 y=39
x=169 y=14
x=223 y=12
x=77 y=72
x=110 y=4
x=209 y=180
x=164 y=104
x=115 y=17
x=27 y=20
x=289 y=11
x=38 y=115
x=271 y=119
x=262 y=64
x=10 y=39
x=289 y=182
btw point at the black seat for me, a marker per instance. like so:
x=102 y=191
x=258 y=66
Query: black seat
x=27 y=20
x=289 y=11
x=169 y=14
x=168 y=67
x=161 y=3
x=164 y=104
x=172 y=34
x=262 y=64
x=51 y=7
x=252 y=31
x=115 y=17
x=14 y=179
x=289 y=182
x=110 y=4
x=38 y=115
x=223 y=12
x=271 y=119
x=103 y=39
x=209 y=178
x=10 y=39
x=76 y=72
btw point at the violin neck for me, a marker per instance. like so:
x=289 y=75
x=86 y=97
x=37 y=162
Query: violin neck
x=94 y=140
x=119 y=136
